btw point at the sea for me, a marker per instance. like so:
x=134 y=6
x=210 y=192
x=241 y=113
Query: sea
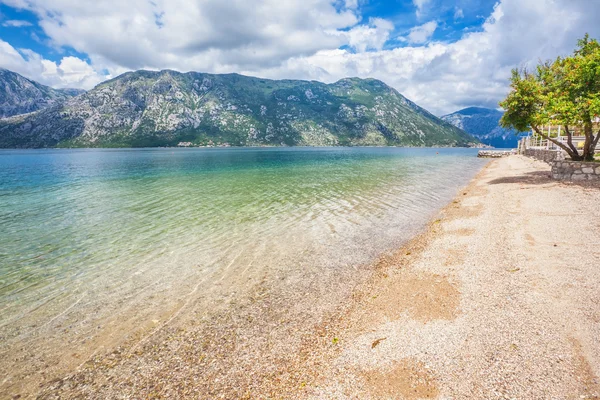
x=101 y=247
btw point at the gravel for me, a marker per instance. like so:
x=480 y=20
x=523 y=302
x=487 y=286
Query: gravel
x=523 y=252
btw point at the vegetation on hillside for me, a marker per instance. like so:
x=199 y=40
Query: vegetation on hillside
x=167 y=108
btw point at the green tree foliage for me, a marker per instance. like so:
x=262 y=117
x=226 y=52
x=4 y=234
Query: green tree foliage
x=564 y=92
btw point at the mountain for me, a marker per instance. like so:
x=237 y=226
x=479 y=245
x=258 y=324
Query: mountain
x=19 y=95
x=148 y=108
x=483 y=123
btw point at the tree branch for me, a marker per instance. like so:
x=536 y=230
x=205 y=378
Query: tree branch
x=570 y=140
x=596 y=140
x=556 y=142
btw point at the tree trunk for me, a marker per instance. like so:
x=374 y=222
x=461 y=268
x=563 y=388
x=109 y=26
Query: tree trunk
x=570 y=140
x=574 y=155
x=588 y=151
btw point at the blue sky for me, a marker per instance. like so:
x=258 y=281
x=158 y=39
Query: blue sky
x=443 y=54
x=453 y=17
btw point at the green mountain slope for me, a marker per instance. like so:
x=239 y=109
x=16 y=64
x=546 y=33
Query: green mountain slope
x=19 y=95
x=145 y=108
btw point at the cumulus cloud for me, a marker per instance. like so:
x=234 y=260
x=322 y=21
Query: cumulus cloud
x=421 y=34
x=305 y=39
x=69 y=72
x=185 y=34
x=369 y=37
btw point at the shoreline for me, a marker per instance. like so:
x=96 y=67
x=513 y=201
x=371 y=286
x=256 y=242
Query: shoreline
x=432 y=319
x=441 y=321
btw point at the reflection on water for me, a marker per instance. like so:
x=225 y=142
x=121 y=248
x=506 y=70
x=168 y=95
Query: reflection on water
x=87 y=236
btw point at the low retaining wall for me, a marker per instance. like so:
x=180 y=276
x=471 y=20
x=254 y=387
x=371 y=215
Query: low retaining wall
x=576 y=171
x=495 y=153
x=548 y=156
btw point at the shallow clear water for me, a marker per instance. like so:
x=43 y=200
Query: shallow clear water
x=86 y=235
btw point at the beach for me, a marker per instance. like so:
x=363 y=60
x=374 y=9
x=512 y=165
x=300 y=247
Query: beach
x=503 y=299
x=497 y=298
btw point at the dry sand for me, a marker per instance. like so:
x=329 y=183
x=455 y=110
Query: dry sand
x=498 y=298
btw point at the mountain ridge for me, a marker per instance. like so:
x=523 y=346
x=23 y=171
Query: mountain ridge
x=21 y=95
x=163 y=108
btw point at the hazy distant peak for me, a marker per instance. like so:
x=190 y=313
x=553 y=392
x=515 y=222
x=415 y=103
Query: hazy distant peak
x=483 y=123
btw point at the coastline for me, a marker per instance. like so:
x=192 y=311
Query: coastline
x=465 y=309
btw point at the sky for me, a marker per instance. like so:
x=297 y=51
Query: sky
x=444 y=55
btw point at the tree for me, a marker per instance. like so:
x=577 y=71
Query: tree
x=565 y=92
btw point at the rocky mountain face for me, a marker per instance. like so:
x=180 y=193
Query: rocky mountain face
x=19 y=95
x=168 y=108
x=483 y=123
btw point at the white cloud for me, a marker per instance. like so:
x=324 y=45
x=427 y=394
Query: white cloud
x=15 y=23
x=351 y=4
x=69 y=72
x=458 y=13
x=369 y=37
x=301 y=39
x=421 y=34
x=192 y=34
x=420 y=5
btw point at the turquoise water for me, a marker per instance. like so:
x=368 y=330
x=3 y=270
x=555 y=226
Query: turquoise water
x=89 y=235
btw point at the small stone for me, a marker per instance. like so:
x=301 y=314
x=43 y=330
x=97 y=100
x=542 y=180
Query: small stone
x=587 y=170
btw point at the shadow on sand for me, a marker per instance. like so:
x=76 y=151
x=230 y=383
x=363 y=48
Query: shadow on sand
x=541 y=178
x=530 y=178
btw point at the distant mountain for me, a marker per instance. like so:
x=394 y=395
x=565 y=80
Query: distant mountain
x=166 y=108
x=483 y=123
x=19 y=95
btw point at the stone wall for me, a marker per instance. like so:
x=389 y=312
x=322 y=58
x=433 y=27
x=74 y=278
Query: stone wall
x=495 y=153
x=576 y=171
x=548 y=156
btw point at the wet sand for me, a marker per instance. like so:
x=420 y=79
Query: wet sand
x=498 y=298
